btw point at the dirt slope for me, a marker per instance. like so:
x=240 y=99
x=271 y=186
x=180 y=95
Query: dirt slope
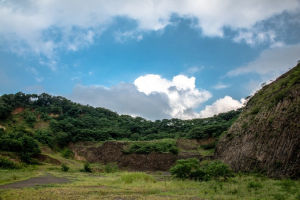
x=113 y=152
x=266 y=137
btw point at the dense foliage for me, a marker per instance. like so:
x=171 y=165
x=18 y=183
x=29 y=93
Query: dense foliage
x=148 y=147
x=56 y=121
x=192 y=169
x=8 y=164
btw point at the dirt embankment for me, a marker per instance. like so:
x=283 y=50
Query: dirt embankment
x=113 y=152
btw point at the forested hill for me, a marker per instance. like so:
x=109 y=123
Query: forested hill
x=56 y=121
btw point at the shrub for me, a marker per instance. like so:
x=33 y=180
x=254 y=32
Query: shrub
x=185 y=168
x=67 y=153
x=111 y=167
x=8 y=164
x=86 y=168
x=136 y=176
x=30 y=148
x=191 y=168
x=216 y=169
x=29 y=117
x=148 y=147
x=64 y=168
x=45 y=137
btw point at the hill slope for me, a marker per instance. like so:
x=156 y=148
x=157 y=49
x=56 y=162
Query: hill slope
x=29 y=119
x=266 y=136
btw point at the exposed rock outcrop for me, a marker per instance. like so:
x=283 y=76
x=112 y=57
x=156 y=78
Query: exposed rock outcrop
x=113 y=152
x=266 y=136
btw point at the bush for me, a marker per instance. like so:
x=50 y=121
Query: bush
x=8 y=164
x=30 y=148
x=136 y=176
x=148 y=147
x=191 y=169
x=45 y=137
x=111 y=167
x=185 y=168
x=64 y=168
x=67 y=153
x=86 y=168
x=216 y=169
x=29 y=117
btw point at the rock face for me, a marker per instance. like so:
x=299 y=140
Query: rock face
x=266 y=136
x=113 y=152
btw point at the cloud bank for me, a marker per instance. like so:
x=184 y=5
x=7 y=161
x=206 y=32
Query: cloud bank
x=45 y=26
x=271 y=62
x=154 y=97
x=220 y=106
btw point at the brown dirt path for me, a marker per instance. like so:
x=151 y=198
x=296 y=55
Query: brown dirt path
x=41 y=180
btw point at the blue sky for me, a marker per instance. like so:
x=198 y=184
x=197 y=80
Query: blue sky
x=155 y=59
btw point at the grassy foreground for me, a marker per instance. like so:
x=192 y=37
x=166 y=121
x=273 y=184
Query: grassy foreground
x=139 y=185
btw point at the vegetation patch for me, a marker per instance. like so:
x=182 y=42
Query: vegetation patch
x=136 y=177
x=163 y=146
x=8 y=164
x=207 y=170
x=111 y=168
x=86 y=168
x=67 y=153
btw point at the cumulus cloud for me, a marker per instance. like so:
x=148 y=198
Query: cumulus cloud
x=220 y=106
x=182 y=94
x=154 y=97
x=271 y=62
x=43 y=26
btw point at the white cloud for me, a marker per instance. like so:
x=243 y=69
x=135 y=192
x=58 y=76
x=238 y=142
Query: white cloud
x=254 y=36
x=220 y=86
x=220 y=106
x=43 y=26
x=128 y=35
x=154 y=97
x=182 y=94
x=195 y=69
x=271 y=62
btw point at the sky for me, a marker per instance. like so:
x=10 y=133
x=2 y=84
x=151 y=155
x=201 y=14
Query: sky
x=151 y=58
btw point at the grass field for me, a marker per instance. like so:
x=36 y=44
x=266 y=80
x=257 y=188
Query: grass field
x=140 y=185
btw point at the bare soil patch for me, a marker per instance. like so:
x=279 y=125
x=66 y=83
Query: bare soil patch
x=17 y=110
x=41 y=180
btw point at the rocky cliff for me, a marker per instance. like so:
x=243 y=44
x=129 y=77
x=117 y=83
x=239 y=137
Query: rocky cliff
x=266 y=136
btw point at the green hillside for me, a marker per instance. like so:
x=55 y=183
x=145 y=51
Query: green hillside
x=27 y=120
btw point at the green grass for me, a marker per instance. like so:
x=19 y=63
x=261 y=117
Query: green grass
x=139 y=185
x=13 y=175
